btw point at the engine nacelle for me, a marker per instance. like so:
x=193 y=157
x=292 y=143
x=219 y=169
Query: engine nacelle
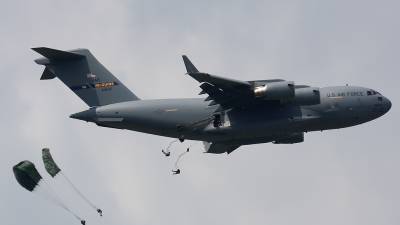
x=306 y=96
x=291 y=139
x=283 y=90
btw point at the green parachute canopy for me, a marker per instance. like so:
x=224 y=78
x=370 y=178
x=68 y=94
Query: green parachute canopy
x=52 y=168
x=49 y=164
x=26 y=174
x=28 y=177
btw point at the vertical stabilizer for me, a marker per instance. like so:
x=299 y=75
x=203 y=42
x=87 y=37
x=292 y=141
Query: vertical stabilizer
x=84 y=75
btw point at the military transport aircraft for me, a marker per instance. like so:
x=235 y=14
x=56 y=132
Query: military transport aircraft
x=234 y=113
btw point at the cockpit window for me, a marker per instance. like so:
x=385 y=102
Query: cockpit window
x=379 y=98
x=372 y=92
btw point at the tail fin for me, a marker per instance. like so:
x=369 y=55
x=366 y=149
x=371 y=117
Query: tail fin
x=84 y=75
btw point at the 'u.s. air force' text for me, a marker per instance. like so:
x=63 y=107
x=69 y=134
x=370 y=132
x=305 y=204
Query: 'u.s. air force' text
x=343 y=94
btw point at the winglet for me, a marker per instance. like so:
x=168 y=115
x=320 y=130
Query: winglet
x=57 y=54
x=190 y=68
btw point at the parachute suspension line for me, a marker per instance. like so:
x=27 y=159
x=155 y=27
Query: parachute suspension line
x=55 y=197
x=196 y=122
x=167 y=152
x=52 y=168
x=196 y=125
x=187 y=150
x=80 y=219
x=199 y=124
x=177 y=171
x=29 y=178
x=45 y=194
x=47 y=189
x=77 y=191
x=176 y=163
x=194 y=144
x=171 y=144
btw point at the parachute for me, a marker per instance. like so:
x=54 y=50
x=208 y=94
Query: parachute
x=26 y=174
x=49 y=164
x=29 y=178
x=52 y=168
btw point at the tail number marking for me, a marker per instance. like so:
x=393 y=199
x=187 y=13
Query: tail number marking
x=106 y=89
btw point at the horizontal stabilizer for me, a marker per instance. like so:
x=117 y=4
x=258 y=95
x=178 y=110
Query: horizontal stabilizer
x=57 y=54
x=190 y=68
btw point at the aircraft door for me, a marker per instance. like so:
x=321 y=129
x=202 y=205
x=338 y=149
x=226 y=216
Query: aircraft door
x=221 y=119
x=355 y=109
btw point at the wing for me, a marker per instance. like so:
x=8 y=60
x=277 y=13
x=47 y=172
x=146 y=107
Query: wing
x=225 y=92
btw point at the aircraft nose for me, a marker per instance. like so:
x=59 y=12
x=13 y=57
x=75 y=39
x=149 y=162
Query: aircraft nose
x=387 y=104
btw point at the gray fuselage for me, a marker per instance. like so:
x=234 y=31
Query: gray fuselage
x=259 y=121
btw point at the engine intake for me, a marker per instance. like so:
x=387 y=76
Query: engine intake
x=276 y=91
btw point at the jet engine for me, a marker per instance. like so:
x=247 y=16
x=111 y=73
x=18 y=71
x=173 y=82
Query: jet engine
x=283 y=90
x=291 y=139
x=306 y=96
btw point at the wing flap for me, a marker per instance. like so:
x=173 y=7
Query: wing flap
x=236 y=102
x=221 y=96
x=209 y=88
x=223 y=99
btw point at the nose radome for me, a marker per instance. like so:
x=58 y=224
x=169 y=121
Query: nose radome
x=389 y=104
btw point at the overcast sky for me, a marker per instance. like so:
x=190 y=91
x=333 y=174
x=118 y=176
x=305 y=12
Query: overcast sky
x=347 y=176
